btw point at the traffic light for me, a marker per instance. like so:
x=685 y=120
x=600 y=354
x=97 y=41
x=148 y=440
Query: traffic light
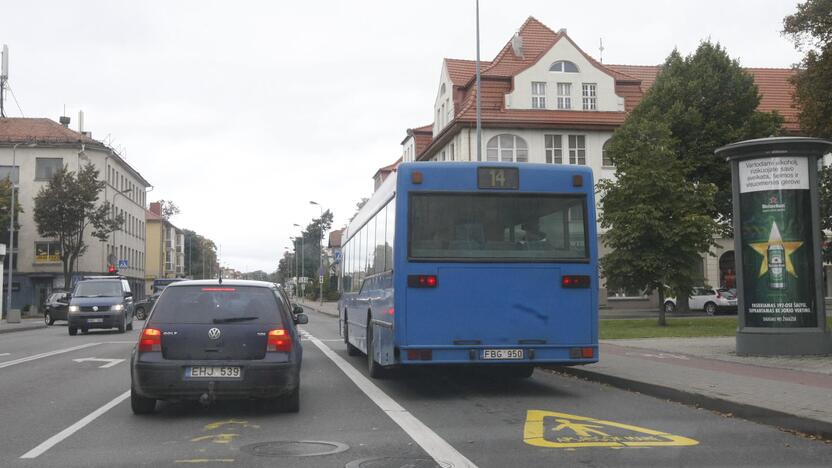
x=111 y=269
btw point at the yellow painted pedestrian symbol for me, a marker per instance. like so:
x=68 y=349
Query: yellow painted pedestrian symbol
x=560 y=430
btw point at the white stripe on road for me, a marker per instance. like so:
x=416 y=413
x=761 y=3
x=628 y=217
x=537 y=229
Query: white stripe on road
x=57 y=438
x=4 y=354
x=441 y=451
x=47 y=354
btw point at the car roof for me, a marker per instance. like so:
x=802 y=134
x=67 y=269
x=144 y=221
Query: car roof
x=228 y=282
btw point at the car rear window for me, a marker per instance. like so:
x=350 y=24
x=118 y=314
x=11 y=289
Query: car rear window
x=217 y=304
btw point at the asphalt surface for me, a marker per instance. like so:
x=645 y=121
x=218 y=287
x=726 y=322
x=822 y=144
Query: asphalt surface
x=478 y=416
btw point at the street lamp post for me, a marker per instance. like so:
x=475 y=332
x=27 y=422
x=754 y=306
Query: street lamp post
x=11 y=222
x=113 y=234
x=320 y=254
x=302 y=269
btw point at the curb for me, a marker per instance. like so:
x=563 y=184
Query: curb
x=5 y=328
x=779 y=419
x=317 y=309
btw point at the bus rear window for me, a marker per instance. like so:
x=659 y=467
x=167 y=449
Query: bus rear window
x=500 y=227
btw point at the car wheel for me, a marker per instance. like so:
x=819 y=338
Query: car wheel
x=351 y=350
x=140 y=313
x=47 y=318
x=291 y=402
x=710 y=308
x=375 y=370
x=669 y=307
x=73 y=331
x=140 y=404
x=123 y=325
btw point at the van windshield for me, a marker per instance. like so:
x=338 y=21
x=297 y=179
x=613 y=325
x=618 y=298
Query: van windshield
x=217 y=304
x=98 y=289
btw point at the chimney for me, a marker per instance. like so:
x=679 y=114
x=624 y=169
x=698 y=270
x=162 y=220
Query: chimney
x=156 y=208
x=517 y=44
x=64 y=120
x=81 y=122
x=562 y=31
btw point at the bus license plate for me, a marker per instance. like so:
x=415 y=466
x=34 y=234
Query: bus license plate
x=213 y=372
x=502 y=354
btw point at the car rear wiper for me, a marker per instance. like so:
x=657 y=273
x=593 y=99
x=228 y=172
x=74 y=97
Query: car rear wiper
x=234 y=319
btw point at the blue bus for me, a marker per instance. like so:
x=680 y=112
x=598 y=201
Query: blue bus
x=491 y=264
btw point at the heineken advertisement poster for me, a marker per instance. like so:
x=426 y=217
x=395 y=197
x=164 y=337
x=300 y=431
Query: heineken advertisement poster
x=777 y=253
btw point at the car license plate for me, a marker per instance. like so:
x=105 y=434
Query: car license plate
x=96 y=320
x=213 y=372
x=502 y=354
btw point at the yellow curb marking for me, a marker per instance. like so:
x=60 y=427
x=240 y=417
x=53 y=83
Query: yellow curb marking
x=579 y=431
x=216 y=425
x=216 y=438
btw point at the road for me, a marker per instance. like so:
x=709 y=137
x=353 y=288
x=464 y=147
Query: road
x=59 y=408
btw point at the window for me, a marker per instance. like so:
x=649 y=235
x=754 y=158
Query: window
x=554 y=149
x=6 y=172
x=588 y=95
x=577 y=149
x=46 y=252
x=606 y=160
x=370 y=250
x=564 y=66
x=452 y=153
x=450 y=110
x=507 y=148
x=564 y=95
x=538 y=95
x=46 y=168
x=490 y=226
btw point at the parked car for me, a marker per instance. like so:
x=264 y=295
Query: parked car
x=208 y=340
x=708 y=299
x=100 y=302
x=144 y=306
x=55 y=307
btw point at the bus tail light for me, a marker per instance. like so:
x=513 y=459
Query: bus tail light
x=420 y=354
x=422 y=281
x=151 y=340
x=581 y=353
x=279 y=340
x=575 y=281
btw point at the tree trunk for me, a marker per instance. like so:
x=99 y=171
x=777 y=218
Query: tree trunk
x=662 y=319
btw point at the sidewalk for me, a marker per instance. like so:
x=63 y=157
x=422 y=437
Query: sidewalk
x=25 y=324
x=790 y=392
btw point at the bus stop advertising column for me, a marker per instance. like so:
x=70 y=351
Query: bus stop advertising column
x=777 y=245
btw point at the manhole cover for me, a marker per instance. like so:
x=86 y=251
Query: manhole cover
x=294 y=448
x=397 y=462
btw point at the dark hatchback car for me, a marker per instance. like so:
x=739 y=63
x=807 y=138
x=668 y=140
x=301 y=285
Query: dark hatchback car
x=206 y=340
x=144 y=306
x=100 y=302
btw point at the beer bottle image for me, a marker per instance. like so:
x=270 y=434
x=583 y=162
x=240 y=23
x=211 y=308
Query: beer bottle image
x=776 y=266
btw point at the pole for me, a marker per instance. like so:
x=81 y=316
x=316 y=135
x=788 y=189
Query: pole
x=11 y=232
x=479 y=106
x=302 y=269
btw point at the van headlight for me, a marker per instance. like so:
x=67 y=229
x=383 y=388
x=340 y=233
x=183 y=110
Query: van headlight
x=117 y=307
x=74 y=309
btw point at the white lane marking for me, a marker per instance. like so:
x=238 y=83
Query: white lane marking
x=47 y=354
x=120 y=342
x=4 y=354
x=57 y=438
x=110 y=362
x=440 y=450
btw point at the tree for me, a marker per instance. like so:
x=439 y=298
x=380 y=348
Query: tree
x=657 y=217
x=5 y=201
x=66 y=209
x=309 y=250
x=200 y=255
x=707 y=101
x=169 y=209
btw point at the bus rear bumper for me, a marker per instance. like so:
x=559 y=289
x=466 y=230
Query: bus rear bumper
x=486 y=355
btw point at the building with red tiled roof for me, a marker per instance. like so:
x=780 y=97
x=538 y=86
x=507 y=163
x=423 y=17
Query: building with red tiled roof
x=32 y=150
x=544 y=100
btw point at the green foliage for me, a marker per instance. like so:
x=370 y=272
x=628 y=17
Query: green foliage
x=200 y=256
x=825 y=189
x=66 y=209
x=5 y=202
x=811 y=29
x=657 y=218
x=707 y=100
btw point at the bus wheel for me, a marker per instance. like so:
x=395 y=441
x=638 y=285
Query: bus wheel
x=351 y=350
x=375 y=370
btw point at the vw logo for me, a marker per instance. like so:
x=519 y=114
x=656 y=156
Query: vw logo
x=214 y=333
x=95 y=308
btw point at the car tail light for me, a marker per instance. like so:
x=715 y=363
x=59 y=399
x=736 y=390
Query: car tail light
x=279 y=341
x=574 y=281
x=422 y=281
x=151 y=340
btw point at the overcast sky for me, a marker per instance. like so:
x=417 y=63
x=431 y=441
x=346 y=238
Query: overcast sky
x=241 y=112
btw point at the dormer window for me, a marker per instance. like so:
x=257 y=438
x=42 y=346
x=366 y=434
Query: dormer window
x=564 y=66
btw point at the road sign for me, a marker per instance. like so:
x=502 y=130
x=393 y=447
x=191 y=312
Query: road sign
x=123 y=264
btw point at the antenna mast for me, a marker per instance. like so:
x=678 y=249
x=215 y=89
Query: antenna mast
x=601 y=49
x=4 y=77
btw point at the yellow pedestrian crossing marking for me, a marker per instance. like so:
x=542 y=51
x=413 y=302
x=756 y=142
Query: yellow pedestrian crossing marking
x=560 y=430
